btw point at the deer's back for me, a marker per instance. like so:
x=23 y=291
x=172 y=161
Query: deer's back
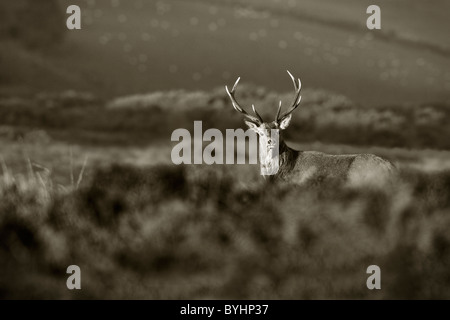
x=354 y=169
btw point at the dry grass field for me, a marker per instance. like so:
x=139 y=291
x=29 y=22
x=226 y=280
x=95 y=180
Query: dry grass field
x=141 y=227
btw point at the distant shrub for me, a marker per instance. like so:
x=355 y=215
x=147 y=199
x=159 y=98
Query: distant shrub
x=322 y=116
x=171 y=100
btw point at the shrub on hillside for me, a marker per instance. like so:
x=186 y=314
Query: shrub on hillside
x=321 y=117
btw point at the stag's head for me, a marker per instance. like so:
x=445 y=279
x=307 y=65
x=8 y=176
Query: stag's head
x=266 y=130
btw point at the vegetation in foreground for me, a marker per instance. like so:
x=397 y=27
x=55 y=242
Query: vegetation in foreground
x=199 y=232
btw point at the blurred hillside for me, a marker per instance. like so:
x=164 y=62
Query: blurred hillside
x=23 y=21
x=137 y=46
x=413 y=21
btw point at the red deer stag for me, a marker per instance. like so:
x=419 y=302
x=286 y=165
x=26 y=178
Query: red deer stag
x=300 y=167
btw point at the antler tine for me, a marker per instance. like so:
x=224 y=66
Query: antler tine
x=278 y=112
x=237 y=107
x=257 y=114
x=293 y=79
x=233 y=100
x=297 y=99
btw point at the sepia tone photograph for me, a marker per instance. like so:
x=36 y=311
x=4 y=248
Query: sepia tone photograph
x=224 y=149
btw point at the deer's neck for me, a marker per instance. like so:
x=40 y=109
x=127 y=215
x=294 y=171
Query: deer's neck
x=286 y=159
x=279 y=164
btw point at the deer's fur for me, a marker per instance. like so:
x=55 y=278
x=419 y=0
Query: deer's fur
x=355 y=170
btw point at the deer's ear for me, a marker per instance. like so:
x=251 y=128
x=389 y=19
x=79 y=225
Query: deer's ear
x=252 y=125
x=284 y=123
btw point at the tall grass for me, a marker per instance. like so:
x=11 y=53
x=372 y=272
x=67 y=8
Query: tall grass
x=203 y=232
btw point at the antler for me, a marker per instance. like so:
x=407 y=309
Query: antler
x=296 y=101
x=236 y=105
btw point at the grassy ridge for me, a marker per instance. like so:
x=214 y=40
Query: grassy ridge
x=201 y=232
